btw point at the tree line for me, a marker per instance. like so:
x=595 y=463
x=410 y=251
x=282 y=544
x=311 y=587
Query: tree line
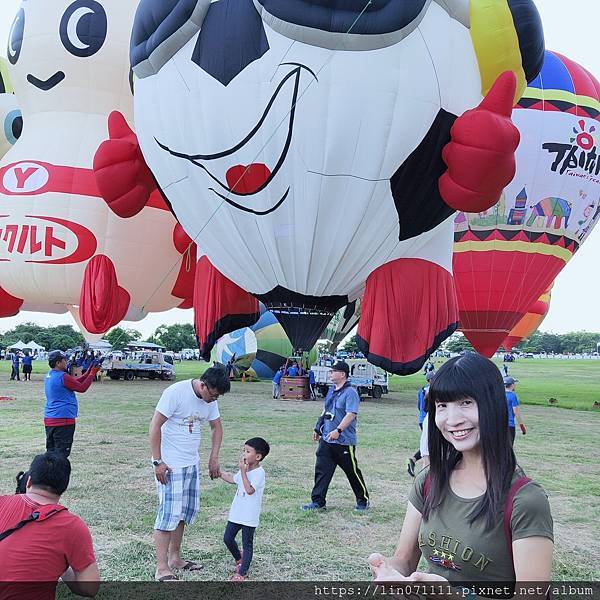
x=179 y=336
x=63 y=337
x=575 y=342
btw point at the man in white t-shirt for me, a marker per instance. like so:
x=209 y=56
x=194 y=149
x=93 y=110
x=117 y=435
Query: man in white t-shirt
x=175 y=440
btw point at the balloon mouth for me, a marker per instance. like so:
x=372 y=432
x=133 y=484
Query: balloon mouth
x=247 y=178
x=48 y=84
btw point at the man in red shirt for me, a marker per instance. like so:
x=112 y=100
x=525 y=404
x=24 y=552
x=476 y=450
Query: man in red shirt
x=57 y=544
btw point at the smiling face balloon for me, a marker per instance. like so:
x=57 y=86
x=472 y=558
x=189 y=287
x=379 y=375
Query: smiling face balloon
x=60 y=245
x=303 y=142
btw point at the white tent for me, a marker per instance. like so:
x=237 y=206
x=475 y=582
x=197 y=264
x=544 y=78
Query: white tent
x=17 y=346
x=33 y=346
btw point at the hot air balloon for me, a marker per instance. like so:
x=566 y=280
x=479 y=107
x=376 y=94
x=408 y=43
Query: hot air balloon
x=320 y=152
x=60 y=246
x=530 y=323
x=342 y=323
x=258 y=350
x=11 y=122
x=505 y=257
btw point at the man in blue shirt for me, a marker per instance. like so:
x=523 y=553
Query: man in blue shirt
x=312 y=384
x=277 y=382
x=293 y=370
x=421 y=405
x=14 y=374
x=27 y=365
x=513 y=407
x=61 y=409
x=336 y=433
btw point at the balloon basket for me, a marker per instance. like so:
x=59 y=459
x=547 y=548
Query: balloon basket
x=294 y=388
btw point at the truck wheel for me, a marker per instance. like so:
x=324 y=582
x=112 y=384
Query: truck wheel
x=129 y=376
x=377 y=392
x=152 y=375
x=114 y=376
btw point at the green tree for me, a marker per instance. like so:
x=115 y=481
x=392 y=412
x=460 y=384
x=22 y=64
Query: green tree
x=578 y=342
x=351 y=344
x=176 y=337
x=324 y=347
x=119 y=337
x=61 y=337
x=457 y=342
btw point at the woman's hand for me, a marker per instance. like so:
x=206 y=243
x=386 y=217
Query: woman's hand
x=382 y=569
x=427 y=577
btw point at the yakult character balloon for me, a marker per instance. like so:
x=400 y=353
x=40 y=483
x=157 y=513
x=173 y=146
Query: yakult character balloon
x=322 y=150
x=60 y=246
x=11 y=121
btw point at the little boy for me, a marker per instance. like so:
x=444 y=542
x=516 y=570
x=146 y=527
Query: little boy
x=245 y=509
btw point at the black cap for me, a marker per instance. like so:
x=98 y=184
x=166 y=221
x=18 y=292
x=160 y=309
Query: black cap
x=55 y=356
x=342 y=366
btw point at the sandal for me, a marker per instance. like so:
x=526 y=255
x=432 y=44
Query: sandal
x=238 y=577
x=238 y=563
x=169 y=577
x=191 y=565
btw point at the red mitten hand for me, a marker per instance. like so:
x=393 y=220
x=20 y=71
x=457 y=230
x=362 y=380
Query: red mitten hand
x=481 y=154
x=122 y=176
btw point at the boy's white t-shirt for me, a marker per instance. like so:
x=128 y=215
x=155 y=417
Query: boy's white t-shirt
x=245 y=508
x=186 y=413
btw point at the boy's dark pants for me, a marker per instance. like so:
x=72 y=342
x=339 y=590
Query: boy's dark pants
x=231 y=532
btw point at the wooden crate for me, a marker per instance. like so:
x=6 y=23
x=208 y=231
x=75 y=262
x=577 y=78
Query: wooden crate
x=294 y=388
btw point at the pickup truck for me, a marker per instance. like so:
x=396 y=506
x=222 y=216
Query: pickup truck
x=368 y=379
x=146 y=365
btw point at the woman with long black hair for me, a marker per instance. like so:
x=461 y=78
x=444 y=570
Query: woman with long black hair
x=473 y=515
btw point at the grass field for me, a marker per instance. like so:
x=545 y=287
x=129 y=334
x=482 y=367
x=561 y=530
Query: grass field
x=112 y=484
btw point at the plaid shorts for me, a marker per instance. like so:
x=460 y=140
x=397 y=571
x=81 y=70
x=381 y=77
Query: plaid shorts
x=179 y=499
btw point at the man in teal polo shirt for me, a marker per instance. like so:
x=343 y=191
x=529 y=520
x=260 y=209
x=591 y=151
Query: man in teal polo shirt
x=336 y=433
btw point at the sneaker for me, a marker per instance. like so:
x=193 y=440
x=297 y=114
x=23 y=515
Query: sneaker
x=361 y=507
x=411 y=466
x=313 y=506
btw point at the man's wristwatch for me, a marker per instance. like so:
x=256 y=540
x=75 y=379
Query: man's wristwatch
x=339 y=430
x=156 y=461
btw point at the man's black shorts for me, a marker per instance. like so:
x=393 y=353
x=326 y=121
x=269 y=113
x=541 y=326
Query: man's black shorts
x=60 y=439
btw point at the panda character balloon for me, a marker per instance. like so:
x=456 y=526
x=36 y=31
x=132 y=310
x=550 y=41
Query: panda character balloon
x=60 y=246
x=320 y=149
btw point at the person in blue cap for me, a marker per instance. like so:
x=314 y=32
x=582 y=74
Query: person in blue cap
x=336 y=433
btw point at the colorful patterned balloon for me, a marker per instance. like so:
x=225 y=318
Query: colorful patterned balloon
x=505 y=257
